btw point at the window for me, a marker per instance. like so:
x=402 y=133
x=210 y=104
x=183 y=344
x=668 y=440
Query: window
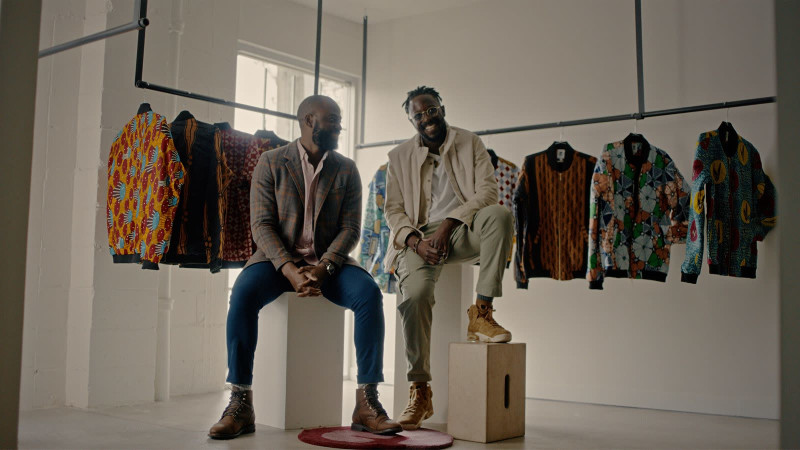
x=281 y=87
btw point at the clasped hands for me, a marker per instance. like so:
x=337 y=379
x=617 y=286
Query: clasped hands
x=435 y=249
x=307 y=280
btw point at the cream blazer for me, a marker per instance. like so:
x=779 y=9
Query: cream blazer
x=408 y=184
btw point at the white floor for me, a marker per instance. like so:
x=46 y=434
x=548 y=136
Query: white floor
x=183 y=422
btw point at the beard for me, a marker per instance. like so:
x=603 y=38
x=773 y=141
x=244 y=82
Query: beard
x=441 y=132
x=324 y=139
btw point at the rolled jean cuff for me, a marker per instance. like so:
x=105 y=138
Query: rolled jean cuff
x=369 y=379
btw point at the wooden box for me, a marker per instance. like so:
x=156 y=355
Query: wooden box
x=486 y=391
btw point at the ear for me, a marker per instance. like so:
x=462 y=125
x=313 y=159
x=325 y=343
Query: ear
x=443 y=111
x=308 y=120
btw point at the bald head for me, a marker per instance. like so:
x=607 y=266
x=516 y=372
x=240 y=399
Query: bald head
x=320 y=121
x=315 y=104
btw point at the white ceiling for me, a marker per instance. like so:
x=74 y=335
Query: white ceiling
x=382 y=10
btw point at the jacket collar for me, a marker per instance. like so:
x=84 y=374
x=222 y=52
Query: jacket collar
x=184 y=115
x=552 y=156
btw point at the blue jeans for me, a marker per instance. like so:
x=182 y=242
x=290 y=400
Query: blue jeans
x=350 y=287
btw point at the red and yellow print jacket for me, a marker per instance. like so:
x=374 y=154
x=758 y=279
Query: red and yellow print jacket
x=145 y=177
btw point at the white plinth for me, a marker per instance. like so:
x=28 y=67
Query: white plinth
x=297 y=375
x=454 y=293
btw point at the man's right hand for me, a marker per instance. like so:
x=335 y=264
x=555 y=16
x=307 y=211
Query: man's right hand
x=297 y=278
x=429 y=253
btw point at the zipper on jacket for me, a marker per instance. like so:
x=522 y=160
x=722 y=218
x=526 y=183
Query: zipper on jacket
x=636 y=175
x=558 y=221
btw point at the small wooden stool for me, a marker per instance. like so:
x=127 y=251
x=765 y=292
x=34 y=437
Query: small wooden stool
x=297 y=373
x=486 y=391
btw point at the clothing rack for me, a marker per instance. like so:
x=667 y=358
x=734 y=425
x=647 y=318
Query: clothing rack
x=138 y=82
x=639 y=115
x=139 y=23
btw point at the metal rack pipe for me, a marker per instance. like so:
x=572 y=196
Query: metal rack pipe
x=138 y=24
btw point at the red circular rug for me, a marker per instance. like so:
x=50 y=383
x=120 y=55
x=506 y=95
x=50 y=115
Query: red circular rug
x=344 y=437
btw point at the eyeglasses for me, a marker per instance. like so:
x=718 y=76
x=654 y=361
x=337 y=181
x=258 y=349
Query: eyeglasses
x=433 y=111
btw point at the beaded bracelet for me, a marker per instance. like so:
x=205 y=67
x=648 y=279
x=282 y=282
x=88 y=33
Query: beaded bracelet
x=416 y=244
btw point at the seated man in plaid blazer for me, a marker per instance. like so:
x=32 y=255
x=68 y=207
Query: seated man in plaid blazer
x=305 y=207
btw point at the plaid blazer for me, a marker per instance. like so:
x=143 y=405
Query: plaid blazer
x=277 y=206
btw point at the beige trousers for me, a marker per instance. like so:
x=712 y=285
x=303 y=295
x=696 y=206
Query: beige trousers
x=489 y=242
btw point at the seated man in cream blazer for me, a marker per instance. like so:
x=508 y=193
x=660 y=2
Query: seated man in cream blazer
x=441 y=207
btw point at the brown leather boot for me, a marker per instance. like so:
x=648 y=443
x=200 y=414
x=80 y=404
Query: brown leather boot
x=238 y=418
x=420 y=406
x=369 y=414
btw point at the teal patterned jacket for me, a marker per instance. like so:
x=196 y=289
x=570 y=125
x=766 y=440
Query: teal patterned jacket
x=733 y=200
x=375 y=234
x=637 y=210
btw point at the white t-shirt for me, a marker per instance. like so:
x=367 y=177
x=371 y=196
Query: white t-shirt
x=444 y=198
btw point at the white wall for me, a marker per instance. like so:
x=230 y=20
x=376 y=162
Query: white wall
x=710 y=348
x=90 y=328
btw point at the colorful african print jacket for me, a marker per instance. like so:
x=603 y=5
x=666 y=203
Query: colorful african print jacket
x=197 y=239
x=375 y=234
x=145 y=177
x=241 y=151
x=637 y=210
x=551 y=210
x=739 y=207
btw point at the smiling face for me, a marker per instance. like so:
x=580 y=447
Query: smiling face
x=427 y=116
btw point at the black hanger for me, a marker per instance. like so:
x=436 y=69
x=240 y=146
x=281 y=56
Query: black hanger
x=143 y=108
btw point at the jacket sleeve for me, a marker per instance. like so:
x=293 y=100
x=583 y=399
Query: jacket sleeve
x=599 y=184
x=368 y=235
x=349 y=222
x=526 y=223
x=485 y=185
x=394 y=212
x=264 y=214
x=678 y=195
x=690 y=269
x=766 y=199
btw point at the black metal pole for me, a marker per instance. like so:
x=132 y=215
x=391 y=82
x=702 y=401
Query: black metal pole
x=571 y=123
x=319 y=44
x=363 y=81
x=137 y=78
x=206 y=98
x=135 y=25
x=639 y=59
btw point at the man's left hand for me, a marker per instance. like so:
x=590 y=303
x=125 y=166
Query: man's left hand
x=316 y=275
x=440 y=239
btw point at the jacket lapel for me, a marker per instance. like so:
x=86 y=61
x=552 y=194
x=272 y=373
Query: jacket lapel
x=292 y=161
x=330 y=167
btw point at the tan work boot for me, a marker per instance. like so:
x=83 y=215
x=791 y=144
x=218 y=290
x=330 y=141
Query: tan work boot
x=369 y=414
x=238 y=418
x=420 y=406
x=482 y=327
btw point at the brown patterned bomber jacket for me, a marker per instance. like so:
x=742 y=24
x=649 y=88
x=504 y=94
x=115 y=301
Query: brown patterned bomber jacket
x=551 y=208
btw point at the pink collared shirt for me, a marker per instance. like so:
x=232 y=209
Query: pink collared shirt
x=305 y=245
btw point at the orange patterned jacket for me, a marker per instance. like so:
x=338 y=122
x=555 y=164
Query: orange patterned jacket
x=145 y=177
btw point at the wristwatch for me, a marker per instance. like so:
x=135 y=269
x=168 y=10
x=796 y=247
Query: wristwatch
x=330 y=267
